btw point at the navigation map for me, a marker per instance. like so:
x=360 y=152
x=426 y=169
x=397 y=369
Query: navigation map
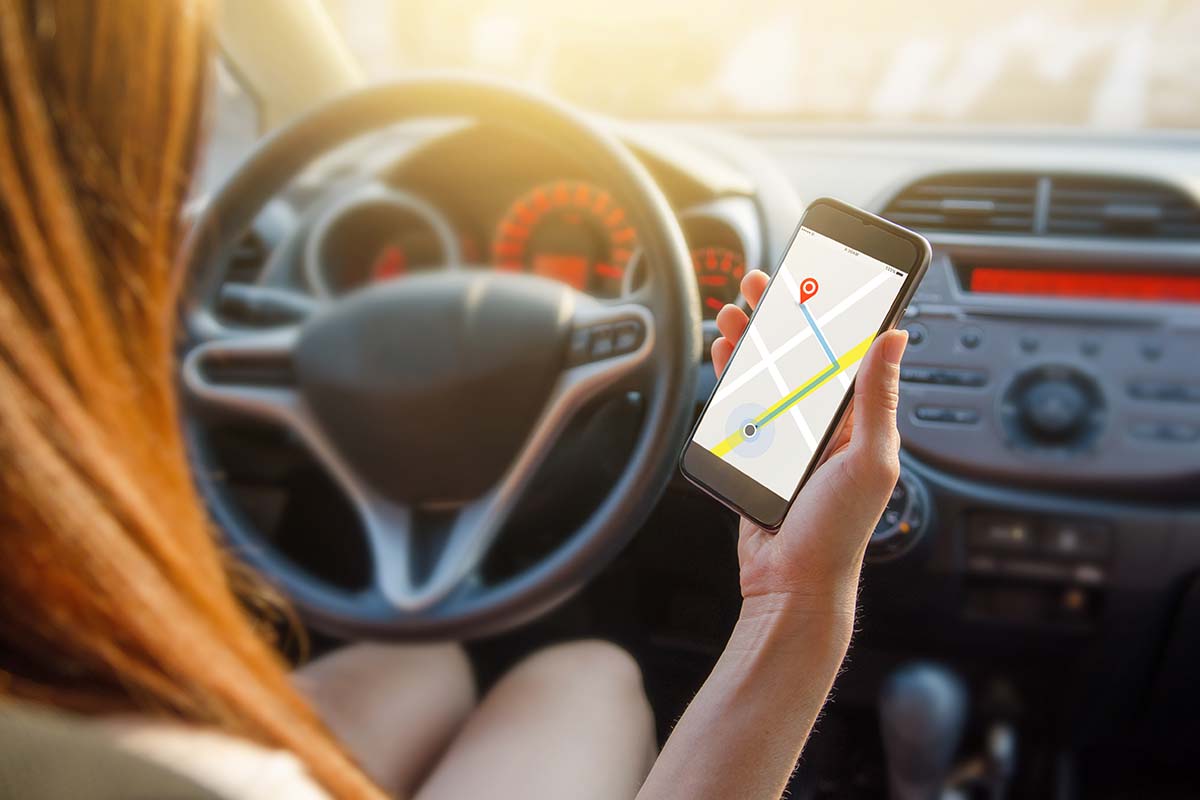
x=784 y=384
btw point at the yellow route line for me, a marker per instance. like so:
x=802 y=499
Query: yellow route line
x=851 y=356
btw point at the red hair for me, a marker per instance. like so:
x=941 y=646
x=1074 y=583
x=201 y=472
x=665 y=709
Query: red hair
x=113 y=592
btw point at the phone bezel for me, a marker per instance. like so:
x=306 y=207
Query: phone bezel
x=870 y=235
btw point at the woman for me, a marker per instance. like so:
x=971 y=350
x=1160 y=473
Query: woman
x=115 y=600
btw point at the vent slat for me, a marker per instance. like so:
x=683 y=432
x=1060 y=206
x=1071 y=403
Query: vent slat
x=941 y=190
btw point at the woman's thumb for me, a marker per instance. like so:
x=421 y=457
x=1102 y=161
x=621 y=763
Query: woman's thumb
x=875 y=441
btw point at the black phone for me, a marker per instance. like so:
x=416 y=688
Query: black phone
x=846 y=277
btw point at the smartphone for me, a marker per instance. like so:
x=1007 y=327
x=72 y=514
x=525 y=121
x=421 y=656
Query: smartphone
x=846 y=277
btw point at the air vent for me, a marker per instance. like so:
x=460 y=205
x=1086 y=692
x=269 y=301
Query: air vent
x=968 y=203
x=1120 y=207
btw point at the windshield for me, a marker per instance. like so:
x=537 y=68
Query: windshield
x=1096 y=63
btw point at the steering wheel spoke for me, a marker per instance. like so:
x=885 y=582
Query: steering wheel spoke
x=421 y=557
x=643 y=295
x=249 y=374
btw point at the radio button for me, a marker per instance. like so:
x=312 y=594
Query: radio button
x=960 y=377
x=1089 y=574
x=1001 y=532
x=1174 y=432
x=1164 y=392
x=944 y=377
x=1152 y=351
x=955 y=416
x=916 y=374
x=966 y=416
x=916 y=333
x=1077 y=539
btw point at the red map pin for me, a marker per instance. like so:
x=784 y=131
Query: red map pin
x=808 y=288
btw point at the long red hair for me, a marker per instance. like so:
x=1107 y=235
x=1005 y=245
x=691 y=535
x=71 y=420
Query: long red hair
x=113 y=592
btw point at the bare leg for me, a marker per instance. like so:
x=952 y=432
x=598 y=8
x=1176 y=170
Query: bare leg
x=569 y=721
x=396 y=708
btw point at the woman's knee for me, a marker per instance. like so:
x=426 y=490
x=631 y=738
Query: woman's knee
x=597 y=669
x=397 y=708
x=601 y=660
x=439 y=675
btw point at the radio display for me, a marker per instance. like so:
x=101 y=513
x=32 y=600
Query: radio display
x=1083 y=284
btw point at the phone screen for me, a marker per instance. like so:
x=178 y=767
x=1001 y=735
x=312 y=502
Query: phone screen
x=784 y=386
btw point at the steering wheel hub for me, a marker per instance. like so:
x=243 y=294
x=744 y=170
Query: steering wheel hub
x=428 y=386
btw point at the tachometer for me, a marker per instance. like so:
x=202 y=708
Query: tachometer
x=719 y=272
x=571 y=231
x=376 y=235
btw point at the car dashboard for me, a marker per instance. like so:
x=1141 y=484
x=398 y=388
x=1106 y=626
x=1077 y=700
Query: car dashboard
x=1045 y=535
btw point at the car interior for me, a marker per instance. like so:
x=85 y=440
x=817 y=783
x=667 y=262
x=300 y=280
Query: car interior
x=1029 y=619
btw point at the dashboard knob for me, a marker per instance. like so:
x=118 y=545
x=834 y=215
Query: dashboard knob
x=1054 y=410
x=904 y=521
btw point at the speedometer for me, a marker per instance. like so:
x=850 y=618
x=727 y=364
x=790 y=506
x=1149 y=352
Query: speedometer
x=571 y=231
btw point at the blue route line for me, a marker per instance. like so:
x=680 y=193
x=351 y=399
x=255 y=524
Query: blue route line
x=798 y=396
x=820 y=336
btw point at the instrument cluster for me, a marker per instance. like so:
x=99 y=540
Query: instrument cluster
x=570 y=230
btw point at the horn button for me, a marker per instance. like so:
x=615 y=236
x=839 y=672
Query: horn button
x=429 y=385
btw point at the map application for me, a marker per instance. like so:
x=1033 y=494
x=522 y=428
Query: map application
x=784 y=384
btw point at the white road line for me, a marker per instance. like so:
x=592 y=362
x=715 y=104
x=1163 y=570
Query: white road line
x=805 y=431
x=728 y=388
x=792 y=287
x=776 y=375
x=782 y=386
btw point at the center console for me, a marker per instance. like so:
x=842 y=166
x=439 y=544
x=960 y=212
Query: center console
x=1027 y=372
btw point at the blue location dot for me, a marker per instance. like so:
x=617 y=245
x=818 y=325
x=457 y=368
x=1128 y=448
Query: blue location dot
x=755 y=439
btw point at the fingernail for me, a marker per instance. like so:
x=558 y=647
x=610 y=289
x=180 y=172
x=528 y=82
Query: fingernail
x=894 y=346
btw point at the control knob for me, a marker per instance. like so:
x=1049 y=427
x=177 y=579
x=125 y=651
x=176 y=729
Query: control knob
x=1052 y=408
x=904 y=521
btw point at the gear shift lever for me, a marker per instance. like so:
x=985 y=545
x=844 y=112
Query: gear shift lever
x=922 y=710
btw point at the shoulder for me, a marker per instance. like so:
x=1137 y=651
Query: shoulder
x=235 y=768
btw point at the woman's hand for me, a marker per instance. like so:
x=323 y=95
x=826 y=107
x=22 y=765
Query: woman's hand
x=743 y=732
x=813 y=562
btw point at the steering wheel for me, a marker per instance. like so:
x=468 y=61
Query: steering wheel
x=432 y=400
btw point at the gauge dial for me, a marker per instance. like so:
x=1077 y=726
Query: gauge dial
x=376 y=238
x=571 y=231
x=719 y=272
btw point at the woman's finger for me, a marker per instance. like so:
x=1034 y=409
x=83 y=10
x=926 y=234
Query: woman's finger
x=753 y=286
x=722 y=349
x=731 y=322
x=875 y=443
